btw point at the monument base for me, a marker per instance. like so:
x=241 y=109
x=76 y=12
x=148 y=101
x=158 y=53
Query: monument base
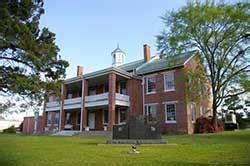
x=137 y=141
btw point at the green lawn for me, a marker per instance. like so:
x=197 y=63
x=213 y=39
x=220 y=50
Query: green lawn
x=227 y=148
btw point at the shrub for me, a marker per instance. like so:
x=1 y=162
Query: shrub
x=204 y=125
x=11 y=129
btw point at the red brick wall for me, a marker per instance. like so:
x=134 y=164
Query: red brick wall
x=134 y=90
x=98 y=120
x=206 y=103
x=28 y=125
x=112 y=90
x=160 y=97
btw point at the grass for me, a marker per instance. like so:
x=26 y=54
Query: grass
x=227 y=148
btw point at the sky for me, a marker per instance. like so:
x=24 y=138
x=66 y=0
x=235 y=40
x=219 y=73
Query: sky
x=87 y=31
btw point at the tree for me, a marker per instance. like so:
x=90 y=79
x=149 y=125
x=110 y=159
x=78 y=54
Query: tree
x=220 y=33
x=232 y=103
x=29 y=61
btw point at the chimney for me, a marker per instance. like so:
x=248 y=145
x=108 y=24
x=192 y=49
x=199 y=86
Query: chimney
x=79 y=71
x=146 y=52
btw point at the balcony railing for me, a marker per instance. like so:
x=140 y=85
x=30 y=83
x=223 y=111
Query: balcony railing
x=122 y=100
x=103 y=99
x=52 y=106
x=97 y=100
x=72 y=103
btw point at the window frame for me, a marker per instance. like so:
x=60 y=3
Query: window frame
x=147 y=78
x=49 y=119
x=193 y=113
x=202 y=111
x=165 y=105
x=146 y=109
x=119 y=115
x=57 y=119
x=78 y=116
x=165 y=79
x=103 y=117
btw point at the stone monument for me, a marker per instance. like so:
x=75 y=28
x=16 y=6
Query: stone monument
x=137 y=131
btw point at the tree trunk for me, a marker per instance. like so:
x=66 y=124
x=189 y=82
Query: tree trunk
x=214 y=119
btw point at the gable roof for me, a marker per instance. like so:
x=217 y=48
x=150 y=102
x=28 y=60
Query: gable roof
x=132 y=65
x=158 y=64
x=141 y=67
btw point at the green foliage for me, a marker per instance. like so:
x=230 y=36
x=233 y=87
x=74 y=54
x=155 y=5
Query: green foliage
x=11 y=129
x=29 y=62
x=233 y=103
x=197 y=84
x=220 y=33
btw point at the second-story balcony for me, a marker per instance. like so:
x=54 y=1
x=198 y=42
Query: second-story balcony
x=52 y=106
x=103 y=99
x=72 y=103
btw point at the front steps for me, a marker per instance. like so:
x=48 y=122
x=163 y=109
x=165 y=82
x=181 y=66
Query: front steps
x=66 y=133
x=83 y=133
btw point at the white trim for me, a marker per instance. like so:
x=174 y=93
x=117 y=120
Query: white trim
x=188 y=59
x=165 y=112
x=119 y=119
x=170 y=122
x=164 y=80
x=170 y=102
x=147 y=104
x=147 y=77
x=193 y=121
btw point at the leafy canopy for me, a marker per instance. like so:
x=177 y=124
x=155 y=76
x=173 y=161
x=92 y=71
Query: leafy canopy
x=220 y=33
x=29 y=61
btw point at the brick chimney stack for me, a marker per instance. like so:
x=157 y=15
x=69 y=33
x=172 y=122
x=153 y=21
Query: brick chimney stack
x=146 y=52
x=79 y=71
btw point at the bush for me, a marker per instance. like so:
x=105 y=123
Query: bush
x=11 y=129
x=204 y=125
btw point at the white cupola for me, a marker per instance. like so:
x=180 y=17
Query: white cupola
x=118 y=57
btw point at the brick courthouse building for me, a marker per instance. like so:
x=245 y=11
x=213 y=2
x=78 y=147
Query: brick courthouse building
x=149 y=87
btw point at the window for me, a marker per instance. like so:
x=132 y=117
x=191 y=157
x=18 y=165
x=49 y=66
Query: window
x=193 y=109
x=57 y=118
x=151 y=110
x=122 y=115
x=122 y=88
x=78 y=118
x=105 y=116
x=68 y=118
x=151 y=81
x=49 y=119
x=105 y=88
x=169 y=81
x=69 y=96
x=202 y=111
x=170 y=113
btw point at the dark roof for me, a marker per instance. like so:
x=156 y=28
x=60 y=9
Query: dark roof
x=118 y=50
x=141 y=67
x=132 y=65
x=157 y=64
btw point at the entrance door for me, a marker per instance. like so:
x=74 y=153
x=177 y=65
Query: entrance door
x=91 y=120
